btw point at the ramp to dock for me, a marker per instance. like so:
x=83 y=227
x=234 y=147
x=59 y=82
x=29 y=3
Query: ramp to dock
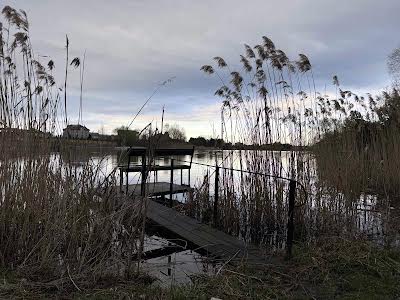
x=215 y=243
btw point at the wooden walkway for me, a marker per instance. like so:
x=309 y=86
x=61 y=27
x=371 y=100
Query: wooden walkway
x=210 y=240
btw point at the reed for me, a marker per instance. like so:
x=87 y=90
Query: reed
x=348 y=175
x=63 y=225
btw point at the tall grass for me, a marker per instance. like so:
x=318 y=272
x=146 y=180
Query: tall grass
x=58 y=220
x=29 y=96
x=269 y=98
x=61 y=224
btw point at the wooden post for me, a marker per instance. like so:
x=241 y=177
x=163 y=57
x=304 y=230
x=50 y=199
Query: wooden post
x=143 y=183
x=290 y=226
x=171 y=183
x=169 y=270
x=181 y=176
x=126 y=182
x=127 y=172
x=191 y=160
x=121 y=179
x=216 y=195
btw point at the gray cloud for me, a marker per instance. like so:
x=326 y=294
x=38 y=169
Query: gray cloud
x=132 y=46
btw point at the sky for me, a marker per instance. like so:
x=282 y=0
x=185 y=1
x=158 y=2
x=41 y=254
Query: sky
x=132 y=46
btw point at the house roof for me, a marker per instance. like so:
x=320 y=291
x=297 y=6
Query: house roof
x=76 y=127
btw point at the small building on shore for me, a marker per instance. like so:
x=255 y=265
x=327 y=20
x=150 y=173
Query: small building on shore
x=79 y=132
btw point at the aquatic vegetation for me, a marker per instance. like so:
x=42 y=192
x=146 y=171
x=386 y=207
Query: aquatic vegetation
x=58 y=222
x=349 y=177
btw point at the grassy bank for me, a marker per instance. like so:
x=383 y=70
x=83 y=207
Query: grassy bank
x=334 y=269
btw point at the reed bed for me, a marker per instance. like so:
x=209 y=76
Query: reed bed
x=62 y=226
x=60 y=221
x=348 y=170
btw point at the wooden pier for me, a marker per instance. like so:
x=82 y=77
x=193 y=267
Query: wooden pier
x=204 y=238
x=201 y=237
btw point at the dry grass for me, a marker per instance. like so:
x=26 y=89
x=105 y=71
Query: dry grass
x=351 y=176
x=62 y=226
x=60 y=222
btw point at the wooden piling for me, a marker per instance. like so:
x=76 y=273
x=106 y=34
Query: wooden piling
x=143 y=173
x=290 y=226
x=121 y=180
x=171 y=183
x=216 y=195
x=127 y=172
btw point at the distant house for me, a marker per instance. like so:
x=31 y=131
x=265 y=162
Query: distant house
x=76 y=132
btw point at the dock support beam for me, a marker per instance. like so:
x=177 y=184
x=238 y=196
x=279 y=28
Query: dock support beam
x=143 y=183
x=171 y=183
x=127 y=178
x=121 y=180
x=290 y=226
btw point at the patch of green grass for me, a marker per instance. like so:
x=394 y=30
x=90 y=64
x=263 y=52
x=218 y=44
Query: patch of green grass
x=334 y=269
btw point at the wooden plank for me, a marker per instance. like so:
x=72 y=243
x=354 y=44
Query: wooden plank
x=158 y=188
x=139 y=151
x=173 y=151
x=210 y=243
x=215 y=242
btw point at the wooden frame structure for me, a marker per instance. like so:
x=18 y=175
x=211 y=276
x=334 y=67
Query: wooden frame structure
x=156 y=188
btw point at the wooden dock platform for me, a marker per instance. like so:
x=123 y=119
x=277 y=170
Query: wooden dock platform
x=158 y=189
x=200 y=237
x=215 y=243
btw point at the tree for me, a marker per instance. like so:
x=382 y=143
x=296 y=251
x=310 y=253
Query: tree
x=199 y=141
x=126 y=136
x=176 y=133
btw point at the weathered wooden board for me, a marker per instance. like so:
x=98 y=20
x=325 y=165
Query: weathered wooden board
x=216 y=243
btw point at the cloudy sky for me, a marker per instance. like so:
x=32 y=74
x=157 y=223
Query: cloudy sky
x=134 y=45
